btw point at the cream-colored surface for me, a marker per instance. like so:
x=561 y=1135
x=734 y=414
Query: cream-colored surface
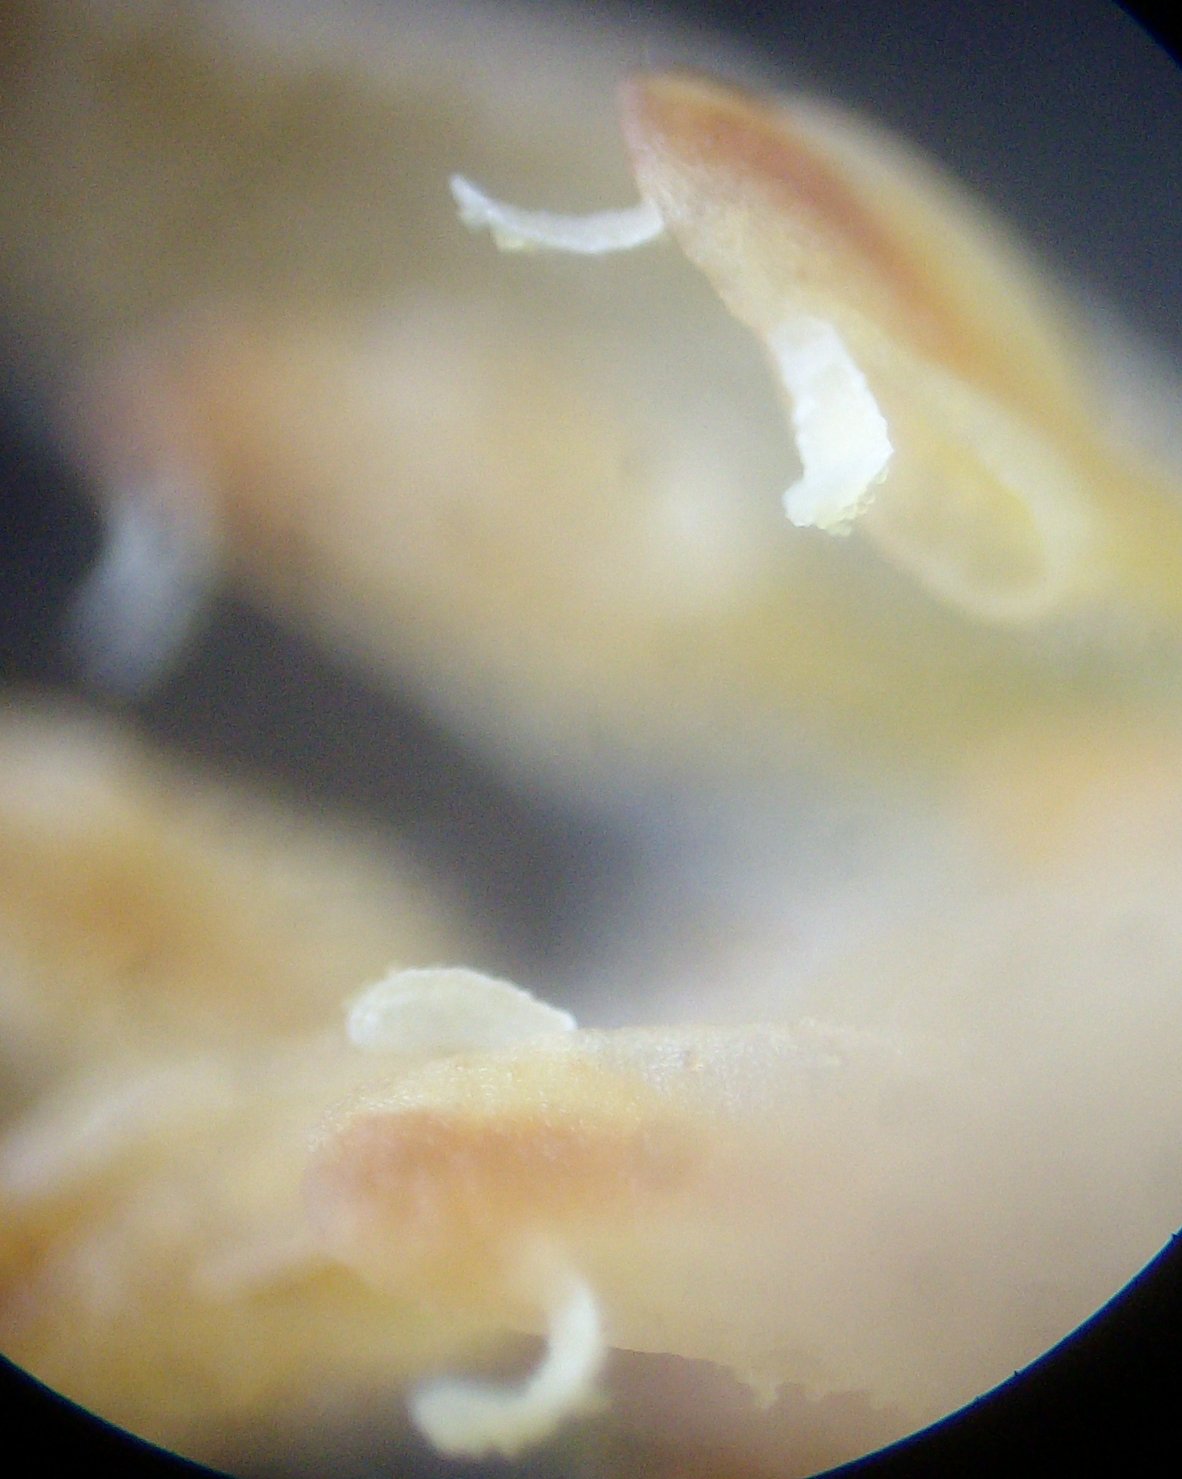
x=882 y=1099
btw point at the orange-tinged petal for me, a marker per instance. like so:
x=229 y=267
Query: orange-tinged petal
x=1002 y=498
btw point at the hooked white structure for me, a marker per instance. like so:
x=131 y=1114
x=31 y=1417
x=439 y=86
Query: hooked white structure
x=514 y=229
x=840 y=434
x=473 y=1418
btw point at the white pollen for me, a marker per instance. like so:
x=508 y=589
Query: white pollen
x=514 y=229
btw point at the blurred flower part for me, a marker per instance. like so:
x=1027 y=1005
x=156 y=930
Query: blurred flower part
x=907 y=800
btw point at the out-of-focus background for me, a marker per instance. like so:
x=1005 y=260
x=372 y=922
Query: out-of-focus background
x=1067 y=116
x=1066 y=121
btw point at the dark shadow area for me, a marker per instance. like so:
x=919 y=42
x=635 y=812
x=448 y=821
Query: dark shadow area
x=44 y=1435
x=259 y=700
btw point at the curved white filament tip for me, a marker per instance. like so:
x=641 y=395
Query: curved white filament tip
x=519 y=230
x=840 y=433
x=477 y=1418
